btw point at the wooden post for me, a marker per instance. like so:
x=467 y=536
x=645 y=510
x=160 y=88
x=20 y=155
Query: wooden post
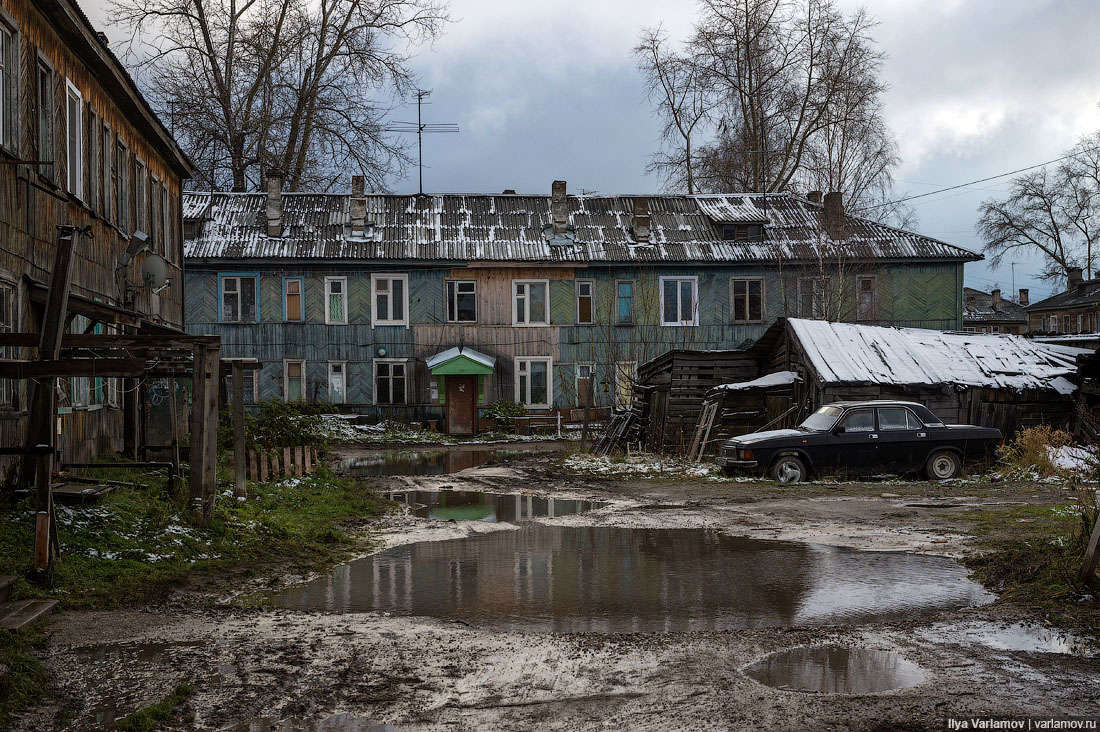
x=1092 y=553
x=130 y=418
x=239 y=489
x=252 y=467
x=263 y=467
x=299 y=459
x=210 y=444
x=198 y=427
x=286 y=462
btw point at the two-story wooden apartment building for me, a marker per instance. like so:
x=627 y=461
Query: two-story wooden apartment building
x=79 y=146
x=1077 y=310
x=413 y=306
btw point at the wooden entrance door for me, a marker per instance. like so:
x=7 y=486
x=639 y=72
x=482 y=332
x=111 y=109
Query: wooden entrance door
x=461 y=405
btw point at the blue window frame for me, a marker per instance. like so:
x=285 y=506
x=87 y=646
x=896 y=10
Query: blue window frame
x=294 y=299
x=238 y=297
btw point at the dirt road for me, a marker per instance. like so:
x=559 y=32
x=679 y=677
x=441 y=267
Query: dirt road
x=289 y=670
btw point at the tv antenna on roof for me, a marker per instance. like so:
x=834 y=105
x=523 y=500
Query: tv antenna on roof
x=421 y=129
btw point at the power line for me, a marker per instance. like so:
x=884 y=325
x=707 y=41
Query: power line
x=981 y=180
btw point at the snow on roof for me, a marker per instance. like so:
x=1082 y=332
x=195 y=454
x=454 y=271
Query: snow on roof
x=779 y=378
x=978 y=307
x=857 y=354
x=482 y=227
x=452 y=353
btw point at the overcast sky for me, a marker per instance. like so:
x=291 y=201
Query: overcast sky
x=549 y=90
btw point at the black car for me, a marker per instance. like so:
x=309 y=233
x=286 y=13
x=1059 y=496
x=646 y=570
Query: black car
x=862 y=437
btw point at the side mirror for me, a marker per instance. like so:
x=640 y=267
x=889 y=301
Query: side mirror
x=839 y=430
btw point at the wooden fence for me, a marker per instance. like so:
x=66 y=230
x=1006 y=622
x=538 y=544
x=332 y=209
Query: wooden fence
x=264 y=466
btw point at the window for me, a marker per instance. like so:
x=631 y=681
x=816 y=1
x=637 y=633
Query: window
x=74 y=140
x=239 y=298
x=813 y=297
x=585 y=310
x=294 y=380
x=7 y=325
x=337 y=382
x=293 y=312
x=9 y=93
x=336 y=300
x=748 y=300
x=865 y=299
x=44 y=100
x=390 y=382
x=533 y=386
x=121 y=188
x=742 y=232
x=529 y=302
x=106 y=160
x=1080 y=323
x=141 y=201
x=91 y=168
x=679 y=304
x=624 y=294
x=897 y=418
x=461 y=301
x=249 y=386
x=1065 y=324
x=167 y=234
x=624 y=384
x=391 y=299
x=861 y=420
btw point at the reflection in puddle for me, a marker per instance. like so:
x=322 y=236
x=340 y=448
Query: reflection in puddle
x=335 y=723
x=836 y=670
x=1012 y=637
x=610 y=579
x=489 y=507
x=419 y=462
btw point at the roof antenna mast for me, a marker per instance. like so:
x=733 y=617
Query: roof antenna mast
x=421 y=129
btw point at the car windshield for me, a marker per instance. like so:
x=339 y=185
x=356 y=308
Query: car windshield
x=822 y=420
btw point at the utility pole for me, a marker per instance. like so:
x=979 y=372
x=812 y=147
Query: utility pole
x=420 y=129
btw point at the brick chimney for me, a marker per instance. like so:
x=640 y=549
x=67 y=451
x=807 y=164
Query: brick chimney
x=996 y=300
x=274 y=202
x=814 y=196
x=559 y=207
x=639 y=223
x=1023 y=299
x=1074 y=278
x=834 y=215
x=357 y=206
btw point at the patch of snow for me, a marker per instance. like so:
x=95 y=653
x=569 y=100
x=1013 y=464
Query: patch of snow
x=1076 y=459
x=779 y=378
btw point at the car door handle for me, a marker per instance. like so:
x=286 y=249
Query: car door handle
x=922 y=434
x=873 y=437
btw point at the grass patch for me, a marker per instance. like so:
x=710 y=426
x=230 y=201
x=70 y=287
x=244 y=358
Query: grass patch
x=147 y=719
x=25 y=681
x=138 y=544
x=1030 y=555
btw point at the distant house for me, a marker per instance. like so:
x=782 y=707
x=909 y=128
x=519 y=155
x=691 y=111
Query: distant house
x=1077 y=310
x=988 y=312
x=551 y=300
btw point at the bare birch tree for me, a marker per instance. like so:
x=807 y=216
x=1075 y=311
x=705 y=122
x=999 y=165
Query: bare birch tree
x=298 y=85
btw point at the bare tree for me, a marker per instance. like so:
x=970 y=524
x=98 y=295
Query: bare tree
x=251 y=84
x=1052 y=213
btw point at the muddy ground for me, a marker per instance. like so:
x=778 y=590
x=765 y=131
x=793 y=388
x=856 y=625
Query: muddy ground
x=258 y=669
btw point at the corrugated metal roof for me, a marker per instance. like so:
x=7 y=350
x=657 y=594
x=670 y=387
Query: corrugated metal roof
x=516 y=228
x=978 y=308
x=845 y=353
x=1087 y=293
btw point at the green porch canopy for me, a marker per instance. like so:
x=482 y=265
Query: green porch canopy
x=461 y=361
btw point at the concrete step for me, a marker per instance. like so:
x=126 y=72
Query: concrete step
x=6 y=581
x=19 y=614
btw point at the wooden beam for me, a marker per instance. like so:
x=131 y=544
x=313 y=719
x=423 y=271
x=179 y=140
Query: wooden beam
x=210 y=445
x=105 y=367
x=113 y=341
x=239 y=487
x=1092 y=553
x=198 y=429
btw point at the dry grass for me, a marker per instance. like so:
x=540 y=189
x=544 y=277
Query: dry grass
x=1030 y=451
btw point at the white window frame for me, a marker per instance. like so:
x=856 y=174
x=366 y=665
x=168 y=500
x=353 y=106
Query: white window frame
x=222 y=279
x=591 y=284
x=682 y=322
x=452 y=299
x=107 y=165
x=404 y=362
x=9 y=85
x=141 y=198
x=874 y=298
x=74 y=146
x=45 y=130
x=344 y=374
x=251 y=396
x=286 y=377
x=748 y=310
x=524 y=398
x=390 y=277
x=328 y=297
x=527 y=304
x=577 y=380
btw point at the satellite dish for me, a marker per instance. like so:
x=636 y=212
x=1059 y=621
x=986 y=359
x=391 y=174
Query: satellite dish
x=154 y=271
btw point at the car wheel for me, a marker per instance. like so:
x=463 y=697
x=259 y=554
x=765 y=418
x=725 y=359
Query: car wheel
x=943 y=465
x=788 y=469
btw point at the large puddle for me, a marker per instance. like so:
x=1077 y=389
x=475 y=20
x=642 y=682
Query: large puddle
x=836 y=670
x=609 y=579
x=450 y=505
x=420 y=462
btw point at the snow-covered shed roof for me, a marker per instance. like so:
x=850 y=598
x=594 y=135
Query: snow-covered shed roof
x=846 y=353
x=509 y=227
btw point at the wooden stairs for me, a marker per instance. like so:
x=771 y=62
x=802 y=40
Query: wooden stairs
x=18 y=614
